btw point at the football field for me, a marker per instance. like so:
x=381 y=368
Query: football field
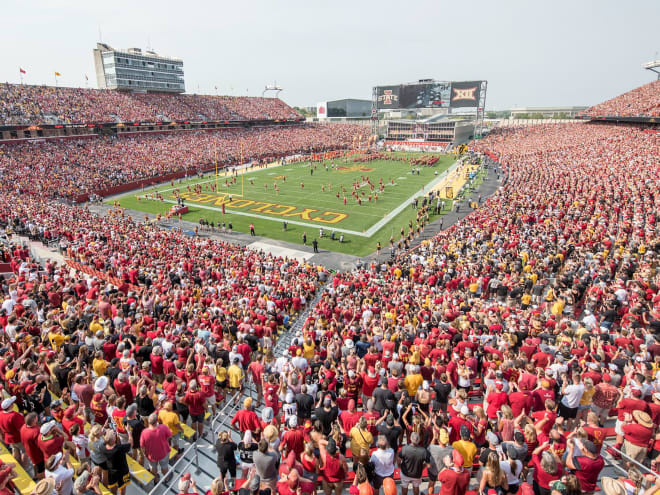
x=365 y=201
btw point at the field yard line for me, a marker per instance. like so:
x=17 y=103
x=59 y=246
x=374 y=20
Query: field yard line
x=406 y=204
x=261 y=217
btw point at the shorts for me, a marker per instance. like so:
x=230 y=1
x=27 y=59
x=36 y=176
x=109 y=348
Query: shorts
x=40 y=467
x=378 y=480
x=211 y=400
x=197 y=418
x=163 y=463
x=567 y=412
x=405 y=481
x=222 y=384
x=118 y=480
x=228 y=469
x=433 y=476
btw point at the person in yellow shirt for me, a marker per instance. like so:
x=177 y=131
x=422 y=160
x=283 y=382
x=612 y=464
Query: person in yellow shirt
x=99 y=365
x=466 y=447
x=413 y=381
x=56 y=338
x=360 y=437
x=95 y=325
x=308 y=348
x=235 y=375
x=170 y=418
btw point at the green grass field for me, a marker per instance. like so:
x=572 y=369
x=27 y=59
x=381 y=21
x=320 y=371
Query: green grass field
x=310 y=206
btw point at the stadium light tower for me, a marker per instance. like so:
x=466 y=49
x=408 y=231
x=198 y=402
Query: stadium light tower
x=274 y=87
x=653 y=66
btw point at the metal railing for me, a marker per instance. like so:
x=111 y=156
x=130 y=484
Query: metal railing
x=173 y=469
x=642 y=468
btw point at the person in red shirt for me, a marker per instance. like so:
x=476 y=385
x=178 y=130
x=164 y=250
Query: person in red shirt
x=349 y=418
x=520 y=400
x=625 y=408
x=256 y=369
x=157 y=363
x=30 y=439
x=246 y=418
x=207 y=383
x=540 y=395
x=196 y=403
x=454 y=479
x=594 y=432
x=545 y=420
x=123 y=387
x=586 y=467
x=11 y=423
x=51 y=439
x=70 y=419
x=637 y=433
x=547 y=469
x=369 y=384
x=293 y=439
x=496 y=399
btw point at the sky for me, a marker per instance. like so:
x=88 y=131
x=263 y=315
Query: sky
x=531 y=52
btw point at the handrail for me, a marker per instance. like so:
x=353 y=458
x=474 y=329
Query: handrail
x=640 y=466
x=172 y=469
x=229 y=402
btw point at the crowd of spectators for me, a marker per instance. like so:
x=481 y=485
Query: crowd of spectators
x=499 y=356
x=22 y=104
x=67 y=169
x=639 y=102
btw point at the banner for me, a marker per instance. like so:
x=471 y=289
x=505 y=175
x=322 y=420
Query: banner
x=322 y=110
x=388 y=97
x=465 y=94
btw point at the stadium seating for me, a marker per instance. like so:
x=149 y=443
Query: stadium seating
x=22 y=104
x=640 y=102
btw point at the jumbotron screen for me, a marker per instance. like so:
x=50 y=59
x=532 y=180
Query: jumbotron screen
x=436 y=94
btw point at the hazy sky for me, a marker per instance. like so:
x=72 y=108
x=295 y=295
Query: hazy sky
x=532 y=52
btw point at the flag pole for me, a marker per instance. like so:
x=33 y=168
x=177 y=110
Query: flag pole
x=215 y=153
x=243 y=170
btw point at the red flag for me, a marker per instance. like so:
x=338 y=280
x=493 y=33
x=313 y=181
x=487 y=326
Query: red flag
x=20 y=69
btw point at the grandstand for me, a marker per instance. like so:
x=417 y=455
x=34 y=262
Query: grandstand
x=639 y=102
x=525 y=335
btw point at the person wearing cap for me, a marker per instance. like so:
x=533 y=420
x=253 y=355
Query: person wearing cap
x=637 y=434
x=457 y=422
x=454 y=479
x=59 y=468
x=11 y=423
x=52 y=439
x=246 y=418
x=466 y=447
x=438 y=450
x=586 y=467
x=293 y=439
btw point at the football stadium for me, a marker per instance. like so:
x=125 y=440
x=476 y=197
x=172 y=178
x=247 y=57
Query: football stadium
x=209 y=293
